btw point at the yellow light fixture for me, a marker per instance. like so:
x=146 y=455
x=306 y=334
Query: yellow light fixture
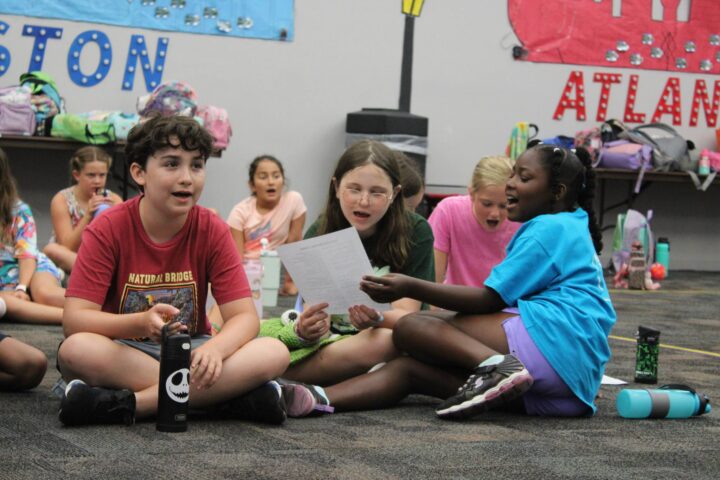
x=412 y=7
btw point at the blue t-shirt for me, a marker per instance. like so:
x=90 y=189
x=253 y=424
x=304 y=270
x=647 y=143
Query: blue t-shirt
x=553 y=275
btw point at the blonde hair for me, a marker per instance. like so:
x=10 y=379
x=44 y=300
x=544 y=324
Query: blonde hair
x=493 y=170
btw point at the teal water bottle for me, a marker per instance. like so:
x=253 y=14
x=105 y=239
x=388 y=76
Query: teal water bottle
x=662 y=254
x=668 y=401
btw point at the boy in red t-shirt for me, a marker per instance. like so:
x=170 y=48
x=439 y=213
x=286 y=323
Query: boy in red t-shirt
x=148 y=261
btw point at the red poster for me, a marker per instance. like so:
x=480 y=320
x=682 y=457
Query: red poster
x=672 y=35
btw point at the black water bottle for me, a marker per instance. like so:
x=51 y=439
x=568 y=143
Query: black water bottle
x=646 y=355
x=174 y=384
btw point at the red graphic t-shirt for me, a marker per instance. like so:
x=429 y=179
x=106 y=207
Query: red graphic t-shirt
x=122 y=269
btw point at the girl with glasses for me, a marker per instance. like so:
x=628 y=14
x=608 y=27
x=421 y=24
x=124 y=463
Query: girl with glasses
x=365 y=193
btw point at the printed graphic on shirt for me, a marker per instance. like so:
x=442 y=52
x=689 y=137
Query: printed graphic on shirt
x=256 y=235
x=137 y=297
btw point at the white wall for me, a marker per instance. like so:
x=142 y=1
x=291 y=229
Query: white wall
x=290 y=99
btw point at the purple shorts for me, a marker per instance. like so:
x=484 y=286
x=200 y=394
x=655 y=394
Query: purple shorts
x=548 y=396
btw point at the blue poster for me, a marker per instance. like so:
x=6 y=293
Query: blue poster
x=265 y=19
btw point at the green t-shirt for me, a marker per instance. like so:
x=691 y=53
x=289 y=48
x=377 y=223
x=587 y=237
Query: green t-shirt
x=419 y=264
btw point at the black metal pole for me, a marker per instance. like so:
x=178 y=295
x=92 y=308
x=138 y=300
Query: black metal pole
x=407 y=61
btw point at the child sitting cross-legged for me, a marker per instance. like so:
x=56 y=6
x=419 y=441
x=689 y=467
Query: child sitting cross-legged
x=534 y=337
x=162 y=247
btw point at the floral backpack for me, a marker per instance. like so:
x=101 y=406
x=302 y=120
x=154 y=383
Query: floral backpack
x=173 y=98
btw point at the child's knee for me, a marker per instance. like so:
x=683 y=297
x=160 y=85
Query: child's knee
x=276 y=356
x=380 y=347
x=73 y=352
x=407 y=327
x=32 y=370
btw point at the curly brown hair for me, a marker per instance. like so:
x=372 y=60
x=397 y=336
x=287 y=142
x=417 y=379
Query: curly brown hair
x=147 y=138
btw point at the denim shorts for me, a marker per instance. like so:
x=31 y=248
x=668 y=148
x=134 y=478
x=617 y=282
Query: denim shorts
x=153 y=348
x=549 y=395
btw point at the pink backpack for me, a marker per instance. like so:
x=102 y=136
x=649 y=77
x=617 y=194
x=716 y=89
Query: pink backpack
x=17 y=116
x=217 y=122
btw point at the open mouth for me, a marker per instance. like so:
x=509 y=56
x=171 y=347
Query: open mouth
x=183 y=195
x=511 y=200
x=492 y=223
x=271 y=191
x=361 y=215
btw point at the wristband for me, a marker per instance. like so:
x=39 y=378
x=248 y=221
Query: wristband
x=21 y=288
x=380 y=319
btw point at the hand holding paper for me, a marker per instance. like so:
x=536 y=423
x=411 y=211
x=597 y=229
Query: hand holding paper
x=329 y=268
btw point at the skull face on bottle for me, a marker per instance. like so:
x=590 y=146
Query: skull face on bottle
x=177 y=385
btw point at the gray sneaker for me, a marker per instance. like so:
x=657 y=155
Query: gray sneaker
x=488 y=387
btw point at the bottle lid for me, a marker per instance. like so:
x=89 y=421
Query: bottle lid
x=649 y=335
x=663 y=240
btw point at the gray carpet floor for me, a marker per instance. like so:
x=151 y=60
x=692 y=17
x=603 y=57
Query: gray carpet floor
x=406 y=442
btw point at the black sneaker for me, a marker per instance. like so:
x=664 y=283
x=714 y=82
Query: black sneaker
x=84 y=405
x=264 y=404
x=487 y=388
x=304 y=400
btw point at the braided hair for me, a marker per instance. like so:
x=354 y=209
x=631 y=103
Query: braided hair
x=574 y=170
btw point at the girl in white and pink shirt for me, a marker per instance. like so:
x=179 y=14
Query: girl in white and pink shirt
x=471 y=231
x=270 y=212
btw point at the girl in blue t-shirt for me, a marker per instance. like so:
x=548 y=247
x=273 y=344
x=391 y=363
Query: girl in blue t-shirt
x=538 y=329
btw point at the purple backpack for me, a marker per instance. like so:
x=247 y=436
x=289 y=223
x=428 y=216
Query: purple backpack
x=17 y=116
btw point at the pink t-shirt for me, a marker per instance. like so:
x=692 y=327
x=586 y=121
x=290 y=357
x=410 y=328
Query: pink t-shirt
x=472 y=251
x=273 y=225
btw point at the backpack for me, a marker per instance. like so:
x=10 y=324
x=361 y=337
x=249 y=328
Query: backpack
x=46 y=100
x=671 y=152
x=217 y=122
x=631 y=227
x=82 y=128
x=591 y=141
x=560 y=141
x=173 y=98
x=122 y=123
x=16 y=114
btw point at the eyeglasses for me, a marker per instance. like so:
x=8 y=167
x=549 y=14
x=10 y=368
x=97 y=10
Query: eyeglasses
x=350 y=194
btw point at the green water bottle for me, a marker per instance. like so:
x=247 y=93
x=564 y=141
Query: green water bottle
x=646 y=355
x=662 y=254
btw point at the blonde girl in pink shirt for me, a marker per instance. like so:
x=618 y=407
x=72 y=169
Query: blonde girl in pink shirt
x=471 y=231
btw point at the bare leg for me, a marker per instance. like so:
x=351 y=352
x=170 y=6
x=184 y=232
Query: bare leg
x=30 y=312
x=451 y=340
x=99 y=361
x=46 y=290
x=22 y=366
x=393 y=382
x=61 y=256
x=345 y=358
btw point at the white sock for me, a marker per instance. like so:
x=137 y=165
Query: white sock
x=3 y=307
x=494 y=360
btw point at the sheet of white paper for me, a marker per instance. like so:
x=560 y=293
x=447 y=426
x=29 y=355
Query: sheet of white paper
x=329 y=268
x=612 y=381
